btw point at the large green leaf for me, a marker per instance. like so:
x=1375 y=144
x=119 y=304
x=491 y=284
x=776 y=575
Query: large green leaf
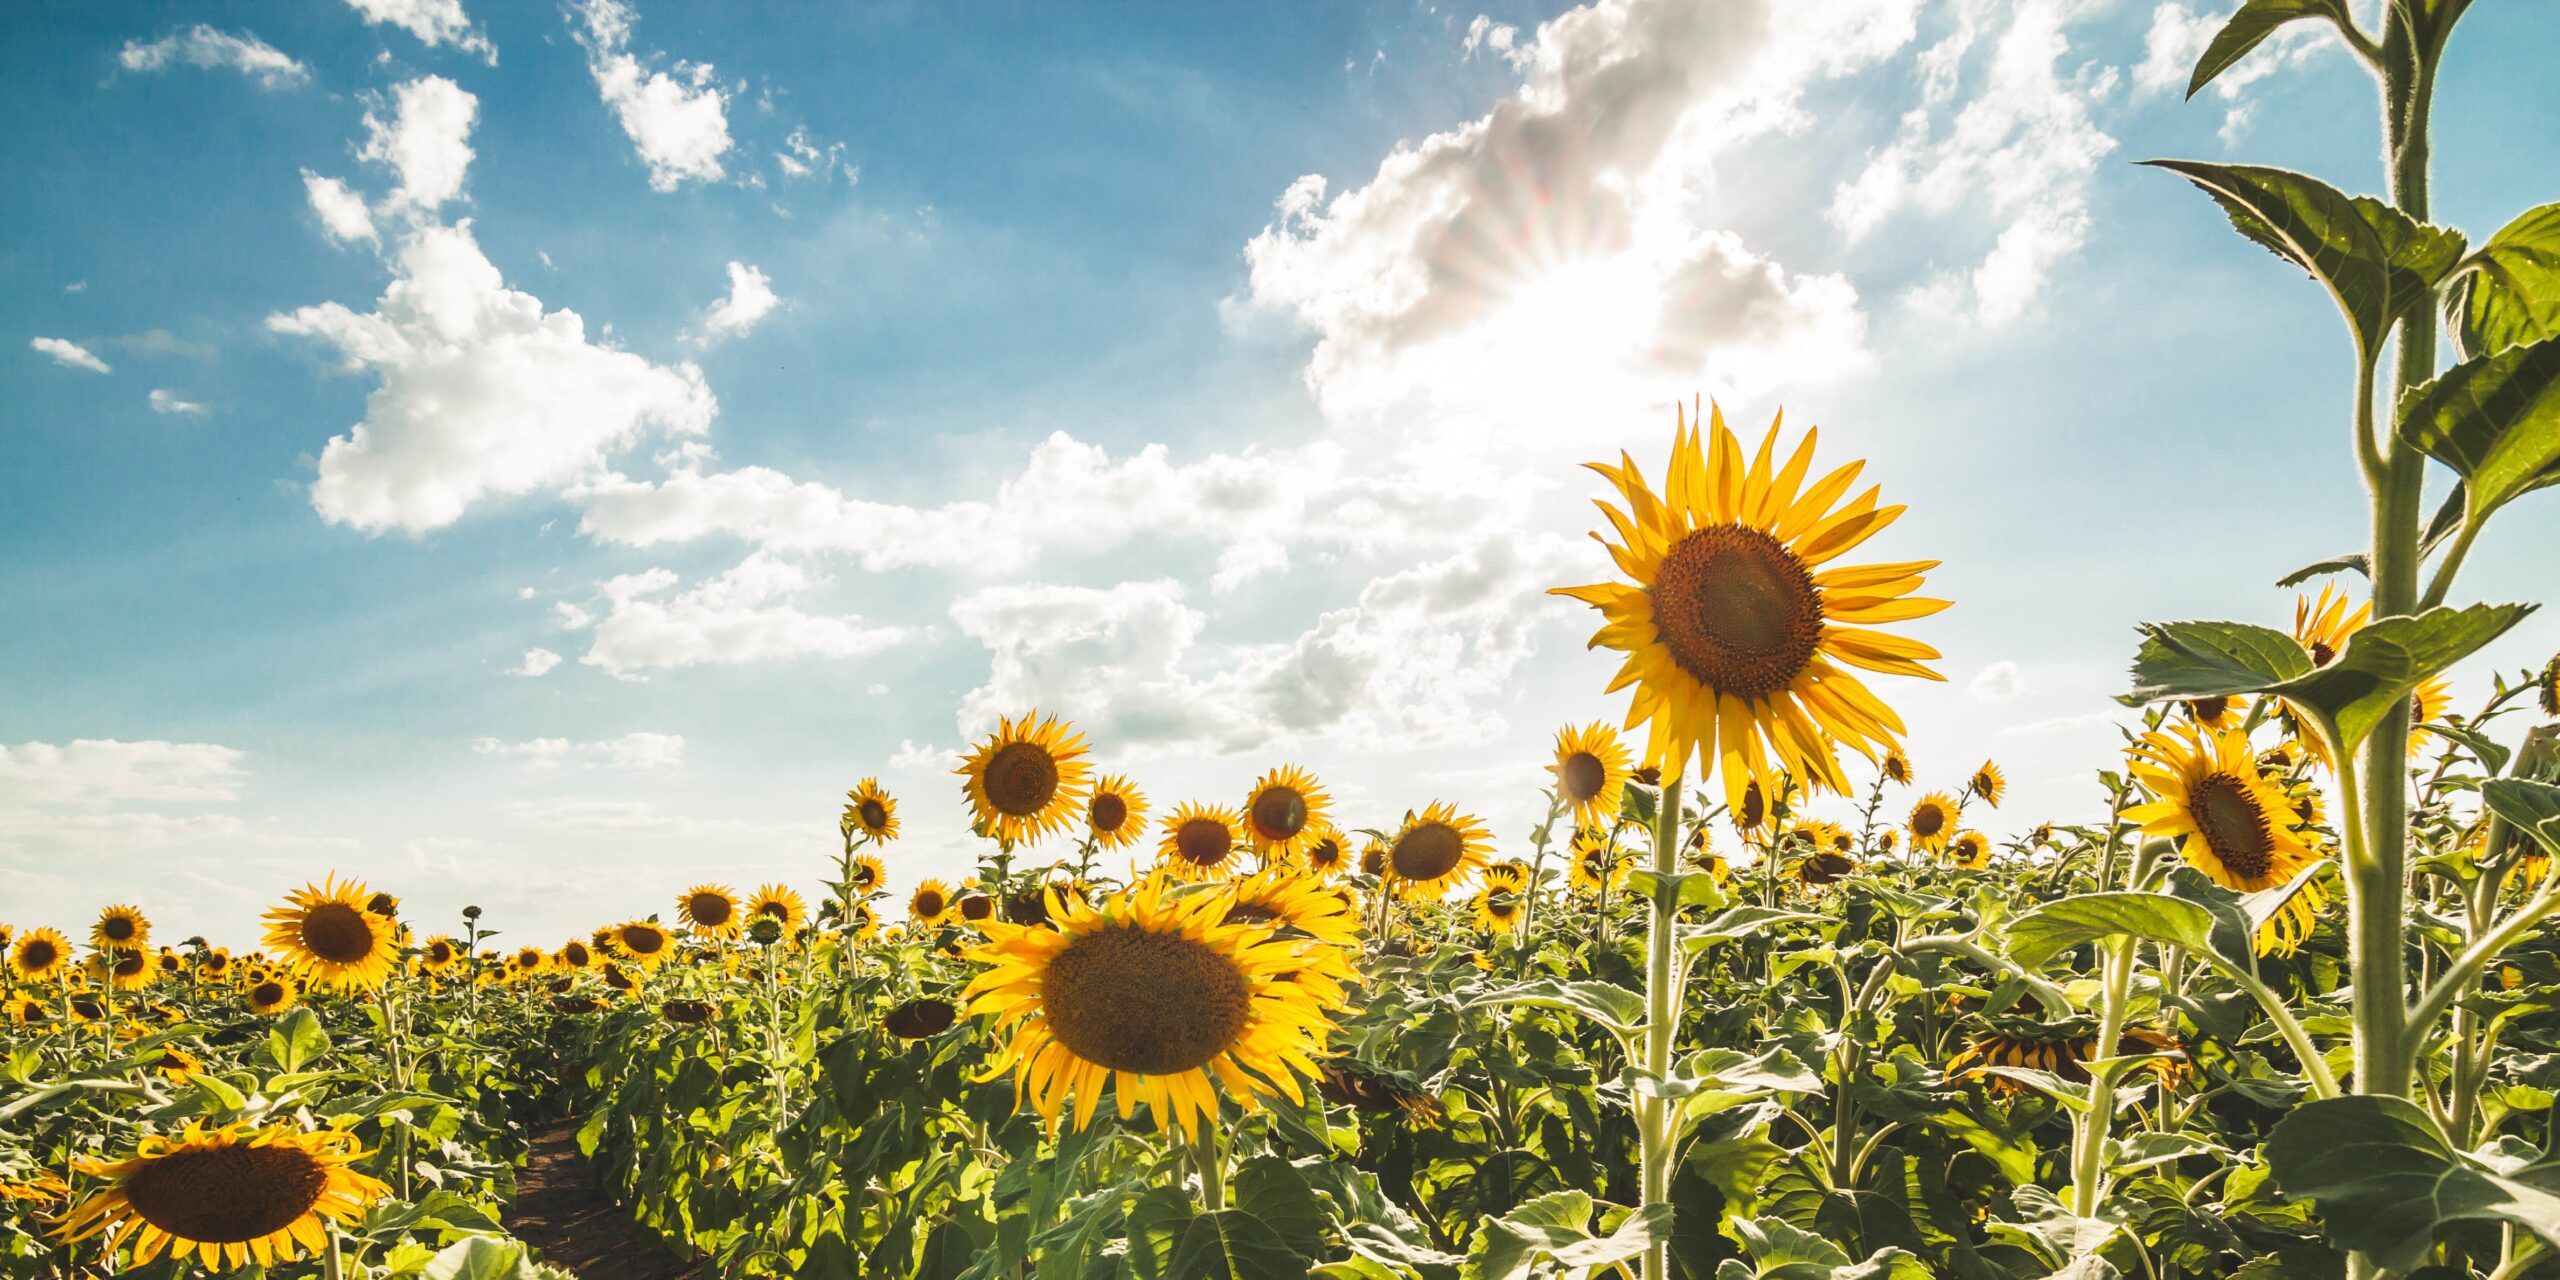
x=480 y=1258
x=1782 y=1251
x=2379 y=666
x=1614 y=1007
x=2495 y=419
x=2058 y=926
x=2383 y=1179
x=2528 y=806
x=1557 y=1226
x=2376 y=262
x=2245 y=30
x=1278 y=1194
x=2211 y=659
x=2509 y=290
x=1233 y=1244
x=1737 y=923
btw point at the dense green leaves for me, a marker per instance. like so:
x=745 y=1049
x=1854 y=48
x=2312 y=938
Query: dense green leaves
x=2509 y=290
x=2379 y=666
x=1614 y=1007
x=2494 y=419
x=1557 y=1227
x=2056 y=927
x=2246 y=29
x=2384 y=1179
x=2529 y=806
x=2376 y=262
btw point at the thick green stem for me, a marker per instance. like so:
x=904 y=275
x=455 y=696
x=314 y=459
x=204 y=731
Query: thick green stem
x=2089 y=1136
x=1662 y=1020
x=1212 y=1166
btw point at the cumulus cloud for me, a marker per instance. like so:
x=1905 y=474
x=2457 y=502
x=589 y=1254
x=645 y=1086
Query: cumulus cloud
x=427 y=142
x=433 y=22
x=537 y=662
x=164 y=400
x=206 y=47
x=679 y=121
x=97 y=773
x=630 y=751
x=1496 y=39
x=482 y=392
x=69 y=354
x=750 y=300
x=341 y=211
x=2000 y=681
x=748 y=614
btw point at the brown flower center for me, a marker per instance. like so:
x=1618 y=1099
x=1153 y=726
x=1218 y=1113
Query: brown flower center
x=1278 y=813
x=1107 y=812
x=1583 y=776
x=1020 y=779
x=918 y=1018
x=1204 y=842
x=875 y=815
x=337 y=933
x=711 y=910
x=643 y=940
x=267 y=993
x=1755 y=807
x=37 y=954
x=1147 y=1002
x=928 y=903
x=2233 y=827
x=117 y=928
x=1738 y=611
x=226 y=1195
x=977 y=906
x=1324 y=853
x=1427 y=852
x=1928 y=820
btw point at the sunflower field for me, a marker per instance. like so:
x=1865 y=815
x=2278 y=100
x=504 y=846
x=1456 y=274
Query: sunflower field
x=1761 y=997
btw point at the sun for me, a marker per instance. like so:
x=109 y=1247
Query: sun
x=1739 y=628
x=1026 y=778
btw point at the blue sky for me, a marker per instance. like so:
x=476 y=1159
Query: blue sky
x=542 y=455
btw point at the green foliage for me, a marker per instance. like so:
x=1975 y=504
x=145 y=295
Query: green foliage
x=2386 y=1182
x=2495 y=420
x=2251 y=25
x=2379 y=666
x=2507 y=292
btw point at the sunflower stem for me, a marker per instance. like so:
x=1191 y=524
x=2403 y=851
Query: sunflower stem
x=1213 y=1173
x=1662 y=1021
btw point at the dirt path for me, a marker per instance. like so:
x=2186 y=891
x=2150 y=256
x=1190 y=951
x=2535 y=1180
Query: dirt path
x=577 y=1227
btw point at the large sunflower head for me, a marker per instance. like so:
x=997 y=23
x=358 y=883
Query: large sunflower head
x=1328 y=855
x=871 y=810
x=1115 y=814
x=330 y=939
x=642 y=942
x=710 y=910
x=1435 y=849
x=122 y=927
x=39 y=955
x=1932 y=822
x=2232 y=822
x=1988 y=784
x=1590 y=771
x=1026 y=779
x=1283 y=813
x=228 y=1196
x=930 y=903
x=1201 y=842
x=1738 y=627
x=1155 y=996
x=778 y=902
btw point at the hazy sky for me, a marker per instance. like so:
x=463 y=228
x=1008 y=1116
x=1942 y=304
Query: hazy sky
x=541 y=455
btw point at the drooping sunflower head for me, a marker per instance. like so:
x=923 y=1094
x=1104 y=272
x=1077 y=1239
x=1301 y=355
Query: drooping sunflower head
x=710 y=910
x=643 y=942
x=2546 y=688
x=2062 y=1052
x=930 y=903
x=1115 y=813
x=920 y=1018
x=227 y=1196
x=1283 y=811
x=870 y=811
x=1988 y=784
x=325 y=934
x=383 y=905
x=1738 y=627
x=1590 y=771
x=40 y=955
x=778 y=902
x=1296 y=902
x=1970 y=850
x=2232 y=823
x=1155 y=996
x=1821 y=868
x=1895 y=767
x=121 y=926
x=1751 y=815
x=1435 y=849
x=1328 y=855
x=2292 y=920
x=1932 y=822
x=1026 y=779
x=1201 y=842
x=27 y=1011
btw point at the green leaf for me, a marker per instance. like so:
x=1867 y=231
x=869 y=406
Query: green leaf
x=2375 y=261
x=2055 y=927
x=2245 y=30
x=1279 y=1195
x=1737 y=923
x=2211 y=659
x=2508 y=291
x=1233 y=1244
x=1782 y=1251
x=1557 y=1226
x=481 y=1258
x=2528 y=806
x=2379 y=666
x=2495 y=419
x=297 y=1041
x=1614 y=1007
x=2384 y=1179
x=1683 y=888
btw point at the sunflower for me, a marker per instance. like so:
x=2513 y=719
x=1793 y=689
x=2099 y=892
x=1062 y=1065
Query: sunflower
x=1752 y=814
x=1200 y=842
x=1435 y=849
x=1932 y=822
x=120 y=926
x=1328 y=855
x=1970 y=850
x=270 y=995
x=574 y=956
x=175 y=1064
x=1154 y=996
x=1895 y=768
x=527 y=963
x=43 y=1188
x=2062 y=1053
x=1590 y=771
x=2221 y=711
x=128 y=970
x=1887 y=839
x=1373 y=858
x=330 y=940
x=1283 y=812
x=439 y=954
x=227 y=1196
x=616 y=978
x=1737 y=637
x=871 y=810
x=778 y=902
x=710 y=910
x=930 y=902
x=40 y=955
x=866 y=874
x=1821 y=867
x=1026 y=778
x=862 y=922
x=215 y=963
x=2322 y=627
x=1115 y=814
x=2232 y=823
x=643 y=942
x=1988 y=784
x=1597 y=868
x=974 y=907
x=1831 y=836
x=26 y=1011
x=2292 y=921
x=1293 y=899
x=919 y=1018
x=1497 y=907
x=2546 y=688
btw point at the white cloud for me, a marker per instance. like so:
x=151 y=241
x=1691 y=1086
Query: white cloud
x=1998 y=682
x=2178 y=36
x=750 y=300
x=802 y=156
x=163 y=400
x=341 y=211
x=96 y=773
x=748 y=614
x=482 y=392
x=912 y=754
x=537 y=662
x=433 y=22
x=70 y=354
x=1499 y=39
x=203 y=46
x=679 y=122
x=427 y=142
x=630 y=751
